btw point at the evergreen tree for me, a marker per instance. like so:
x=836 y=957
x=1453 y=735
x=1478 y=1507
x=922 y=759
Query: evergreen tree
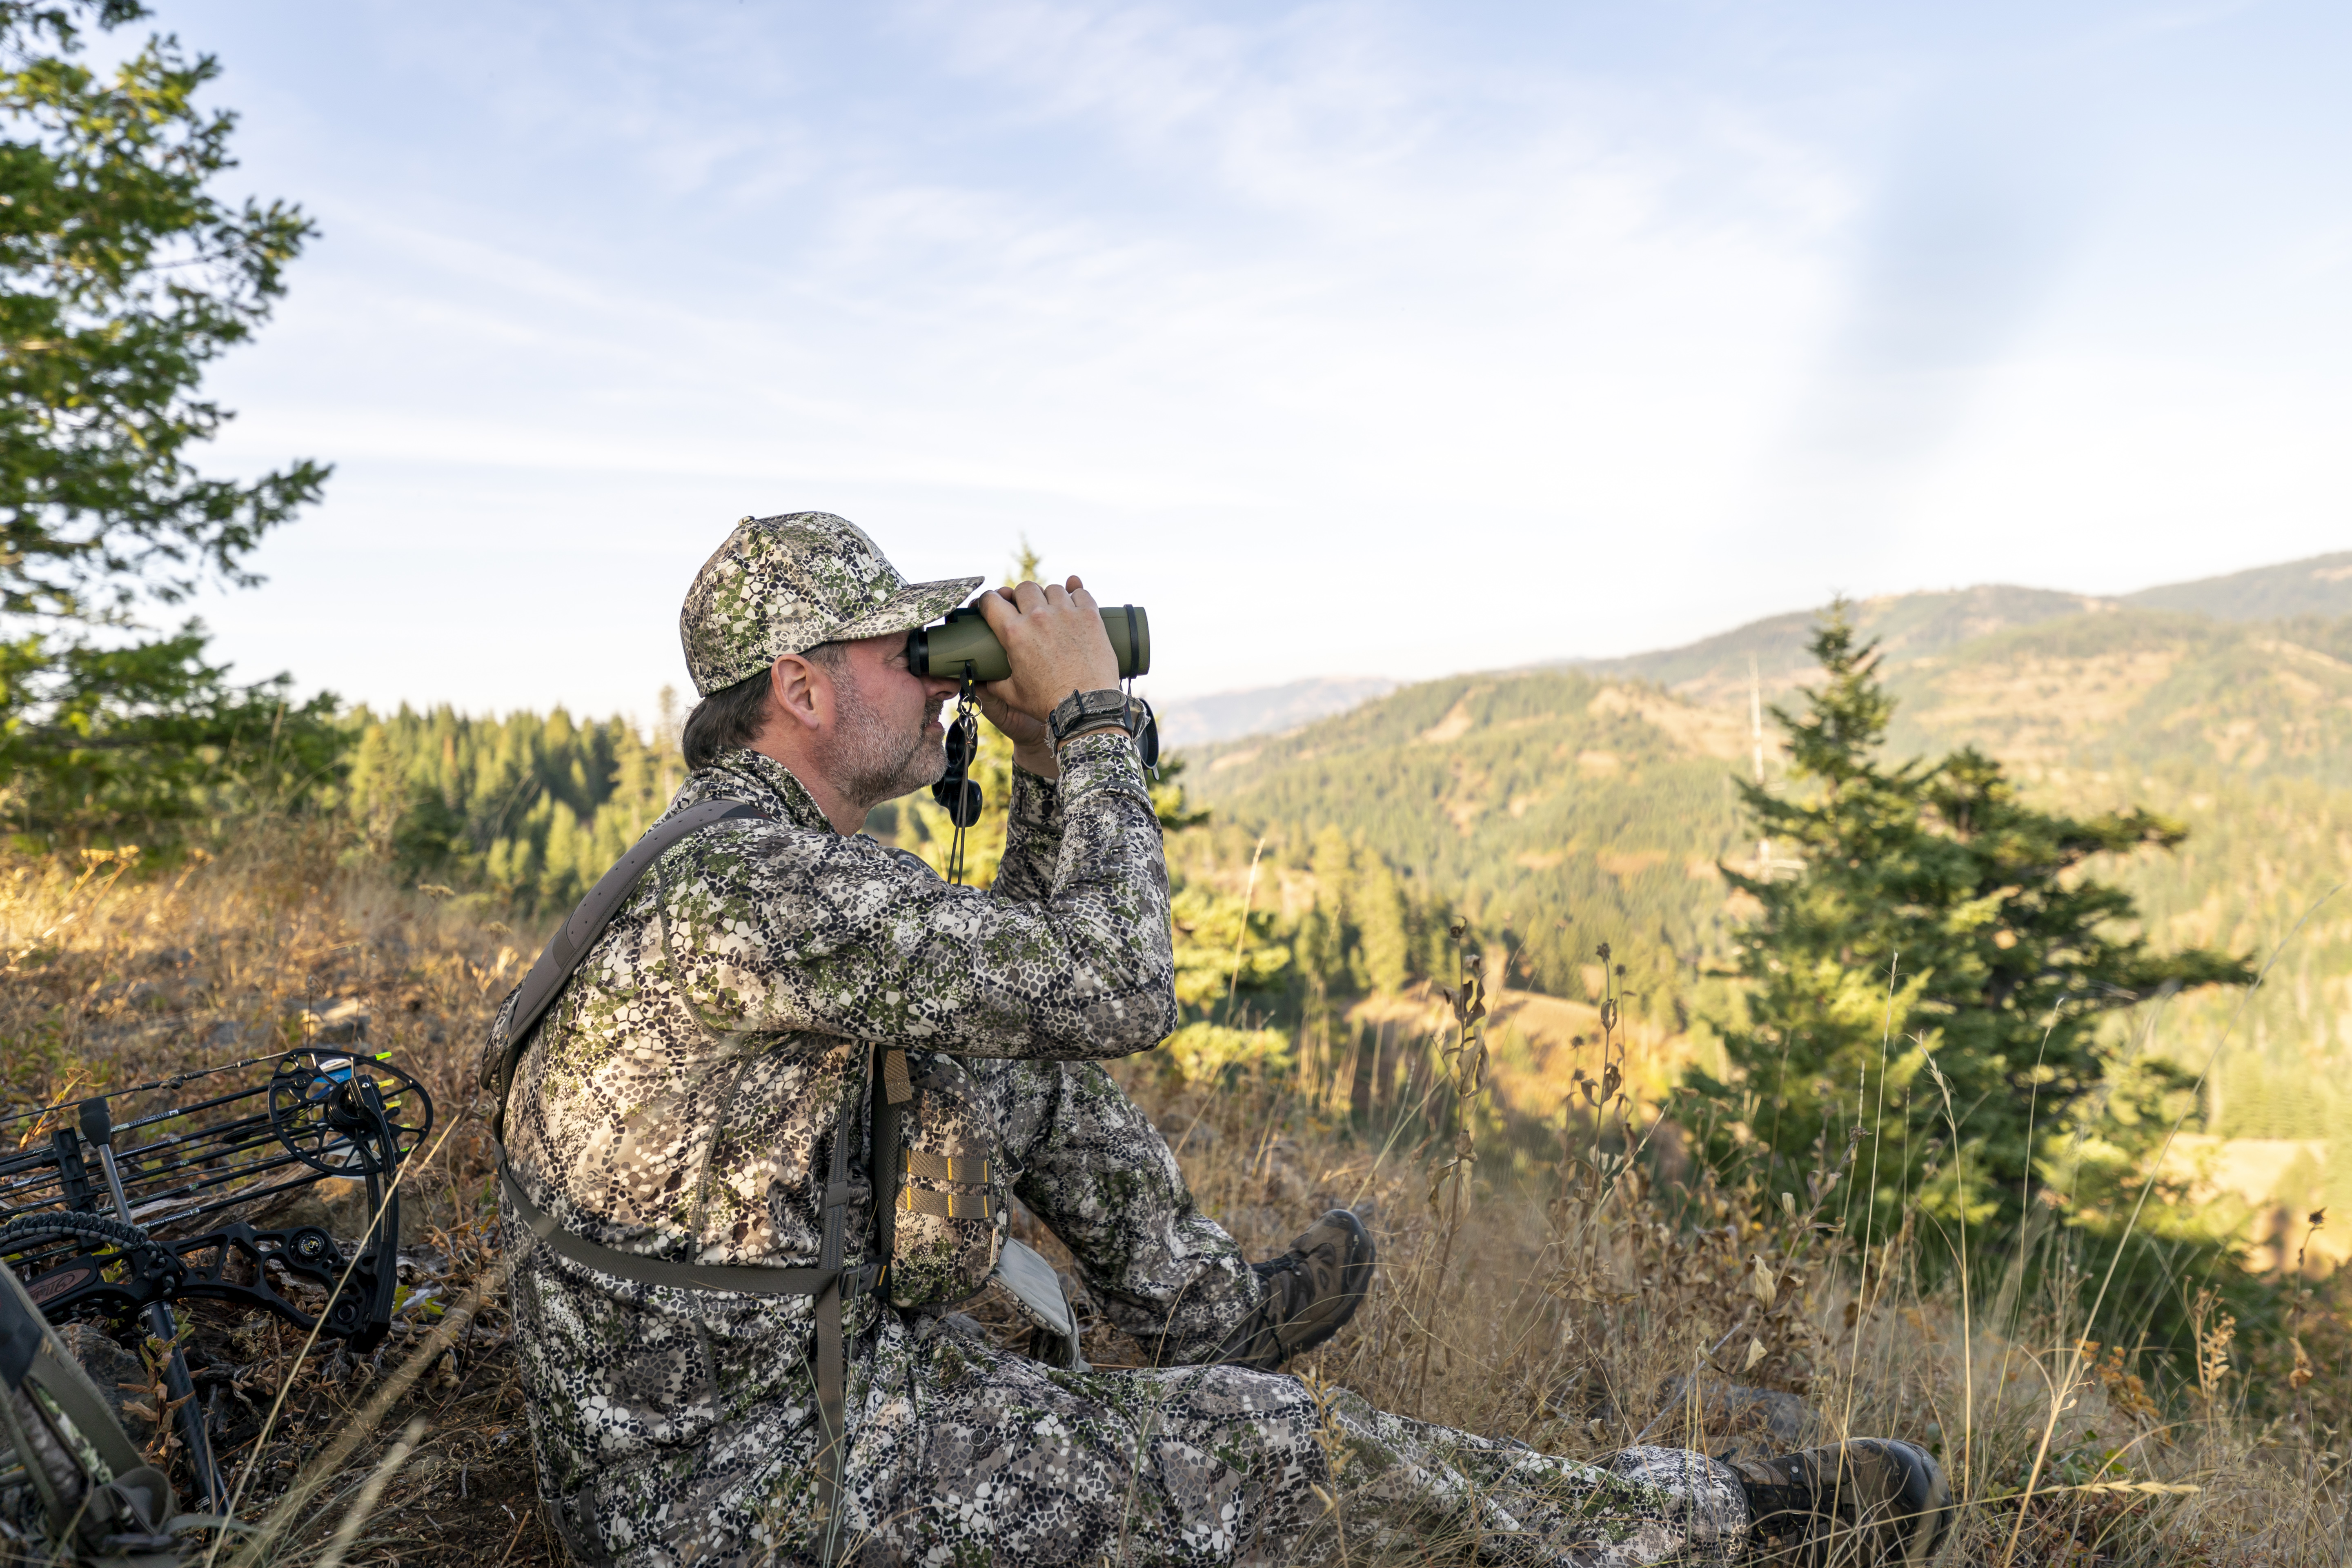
x=531 y=809
x=1384 y=951
x=122 y=279
x=1935 y=973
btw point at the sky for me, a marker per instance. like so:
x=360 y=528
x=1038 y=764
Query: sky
x=1348 y=339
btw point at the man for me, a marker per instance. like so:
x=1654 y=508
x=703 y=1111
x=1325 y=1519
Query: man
x=698 y=1092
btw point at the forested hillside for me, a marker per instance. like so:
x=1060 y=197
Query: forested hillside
x=527 y=810
x=1563 y=808
x=1556 y=810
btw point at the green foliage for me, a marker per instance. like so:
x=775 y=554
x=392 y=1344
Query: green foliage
x=1357 y=936
x=1211 y=1054
x=139 y=744
x=1937 y=972
x=122 y=279
x=530 y=809
x=1550 y=809
x=2244 y=733
x=1218 y=954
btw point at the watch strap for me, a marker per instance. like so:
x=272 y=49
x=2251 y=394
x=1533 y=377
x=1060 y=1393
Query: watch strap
x=1087 y=710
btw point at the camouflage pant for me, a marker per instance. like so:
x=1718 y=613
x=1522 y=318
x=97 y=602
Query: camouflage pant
x=670 y=1429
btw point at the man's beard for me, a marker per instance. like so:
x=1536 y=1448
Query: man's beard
x=872 y=761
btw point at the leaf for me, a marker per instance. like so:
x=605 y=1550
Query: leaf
x=1760 y=1282
x=1755 y=1354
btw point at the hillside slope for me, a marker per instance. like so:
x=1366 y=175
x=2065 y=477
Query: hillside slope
x=2321 y=585
x=1558 y=810
x=1908 y=625
x=1567 y=807
x=1263 y=709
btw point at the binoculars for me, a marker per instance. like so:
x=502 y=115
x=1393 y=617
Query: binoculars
x=962 y=646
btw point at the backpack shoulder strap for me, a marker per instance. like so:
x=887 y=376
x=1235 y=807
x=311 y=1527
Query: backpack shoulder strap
x=576 y=935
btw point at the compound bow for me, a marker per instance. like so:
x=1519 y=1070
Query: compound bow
x=168 y=1171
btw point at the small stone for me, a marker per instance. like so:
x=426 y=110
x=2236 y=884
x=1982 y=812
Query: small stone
x=343 y=1022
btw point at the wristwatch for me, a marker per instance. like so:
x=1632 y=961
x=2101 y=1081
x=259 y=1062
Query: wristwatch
x=1087 y=710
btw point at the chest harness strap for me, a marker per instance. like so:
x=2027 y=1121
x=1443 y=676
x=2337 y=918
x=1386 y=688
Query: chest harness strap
x=832 y=1285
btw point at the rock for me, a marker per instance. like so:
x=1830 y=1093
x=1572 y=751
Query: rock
x=225 y=1033
x=343 y=1023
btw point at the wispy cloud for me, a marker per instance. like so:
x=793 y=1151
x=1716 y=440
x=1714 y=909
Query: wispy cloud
x=1661 y=317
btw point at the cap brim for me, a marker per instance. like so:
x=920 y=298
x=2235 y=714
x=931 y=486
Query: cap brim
x=916 y=605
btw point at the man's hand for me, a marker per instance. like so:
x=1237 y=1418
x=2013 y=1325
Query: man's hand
x=1055 y=637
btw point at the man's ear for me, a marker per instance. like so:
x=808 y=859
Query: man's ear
x=800 y=692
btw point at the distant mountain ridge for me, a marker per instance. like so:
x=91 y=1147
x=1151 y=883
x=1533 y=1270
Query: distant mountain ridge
x=2321 y=585
x=1910 y=627
x=1263 y=709
x=1919 y=624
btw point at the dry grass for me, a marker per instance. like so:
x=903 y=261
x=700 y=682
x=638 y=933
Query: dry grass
x=1581 y=1295
x=113 y=978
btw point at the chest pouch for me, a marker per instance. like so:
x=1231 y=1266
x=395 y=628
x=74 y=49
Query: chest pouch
x=941 y=1187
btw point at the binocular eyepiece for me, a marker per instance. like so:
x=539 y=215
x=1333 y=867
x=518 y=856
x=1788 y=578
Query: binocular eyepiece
x=962 y=646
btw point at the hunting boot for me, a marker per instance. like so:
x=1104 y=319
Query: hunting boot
x=1311 y=1291
x=1870 y=1503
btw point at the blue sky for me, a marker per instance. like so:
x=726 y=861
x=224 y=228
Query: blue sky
x=1381 y=338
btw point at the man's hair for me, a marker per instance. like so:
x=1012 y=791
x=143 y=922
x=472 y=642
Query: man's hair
x=730 y=718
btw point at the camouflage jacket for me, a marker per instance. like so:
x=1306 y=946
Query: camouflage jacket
x=683 y=1094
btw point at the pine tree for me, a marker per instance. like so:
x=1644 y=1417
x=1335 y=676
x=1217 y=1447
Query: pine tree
x=1935 y=973
x=122 y=279
x=1384 y=954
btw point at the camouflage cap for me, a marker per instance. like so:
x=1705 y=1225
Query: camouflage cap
x=784 y=584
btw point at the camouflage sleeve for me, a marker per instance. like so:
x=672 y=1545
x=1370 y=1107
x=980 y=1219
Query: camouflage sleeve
x=774 y=930
x=1032 y=839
